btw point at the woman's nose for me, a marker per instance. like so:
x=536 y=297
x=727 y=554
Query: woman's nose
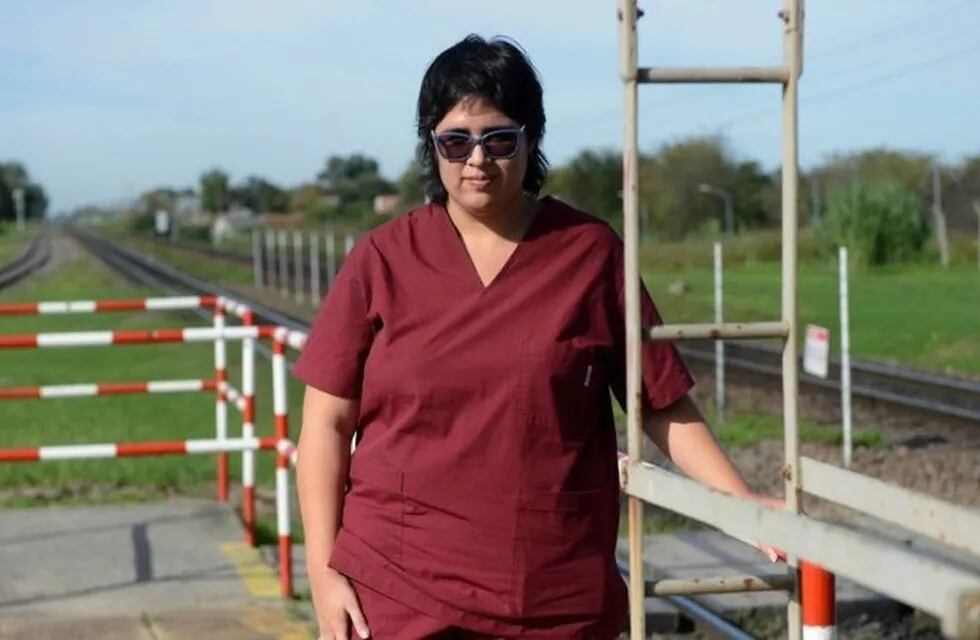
x=478 y=156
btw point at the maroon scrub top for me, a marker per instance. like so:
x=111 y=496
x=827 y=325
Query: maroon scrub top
x=484 y=487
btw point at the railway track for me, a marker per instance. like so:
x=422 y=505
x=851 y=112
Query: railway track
x=145 y=270
x=33 y=257
x=947 y=396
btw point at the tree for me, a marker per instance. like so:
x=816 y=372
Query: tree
x=879 y=221
x=591 y=181
x=14 y=175
x=669 y=187
x=215 y=193
x=354 y=179
x=410 y=186
x=338 y=169
x=260 y=195
x=305 y=197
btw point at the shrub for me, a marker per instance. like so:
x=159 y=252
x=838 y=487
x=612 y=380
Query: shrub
x=880 y=222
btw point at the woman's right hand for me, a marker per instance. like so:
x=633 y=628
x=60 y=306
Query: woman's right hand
x=336 y=606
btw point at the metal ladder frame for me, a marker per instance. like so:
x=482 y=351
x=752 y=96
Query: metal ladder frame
x=950 y=592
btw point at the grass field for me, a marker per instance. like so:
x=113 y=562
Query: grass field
x=26 y=423
x=12 y=241
x=221 y=271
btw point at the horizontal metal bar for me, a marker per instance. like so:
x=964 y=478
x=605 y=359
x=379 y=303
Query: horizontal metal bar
x=719 y=626
x=947 y=523
x=718 y=331
x=950 y=593
x=712 y=75
x=721 y=584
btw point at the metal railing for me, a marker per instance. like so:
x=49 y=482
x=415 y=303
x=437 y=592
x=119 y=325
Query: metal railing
x=948 y=591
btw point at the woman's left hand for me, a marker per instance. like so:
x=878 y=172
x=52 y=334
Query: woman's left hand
x=778 y=504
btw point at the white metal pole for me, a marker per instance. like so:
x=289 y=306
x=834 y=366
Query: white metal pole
x=248 y=433
x=331 y=241
x=314 y=268
x=272 y=278
x=719 y=344
x=298 y=265
x=283 y=266
x=257 y=258
x=845 y=357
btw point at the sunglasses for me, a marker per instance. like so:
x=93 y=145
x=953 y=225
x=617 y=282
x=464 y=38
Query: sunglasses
x=498 y=144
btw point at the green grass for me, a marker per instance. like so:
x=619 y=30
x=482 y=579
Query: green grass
x=29 y=423
x=12 y=241
x=920 y=316
x=747 y=429
x=204 y=267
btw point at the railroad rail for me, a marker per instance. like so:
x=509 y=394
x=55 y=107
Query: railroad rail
x=947 y=396
x=33 y=257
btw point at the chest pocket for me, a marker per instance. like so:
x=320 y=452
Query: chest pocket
x=563 y=382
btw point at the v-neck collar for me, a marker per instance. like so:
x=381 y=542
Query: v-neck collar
x=464 y=253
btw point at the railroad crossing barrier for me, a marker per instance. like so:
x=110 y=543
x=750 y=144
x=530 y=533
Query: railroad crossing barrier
x=221 y=444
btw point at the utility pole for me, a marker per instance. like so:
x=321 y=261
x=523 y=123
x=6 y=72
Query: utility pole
x=939 y=217
x=815 y=218
x=976 y=208
x=729 y=205
x=18 y=195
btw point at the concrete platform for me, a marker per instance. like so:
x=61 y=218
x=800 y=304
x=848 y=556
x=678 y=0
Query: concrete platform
x=174 y=570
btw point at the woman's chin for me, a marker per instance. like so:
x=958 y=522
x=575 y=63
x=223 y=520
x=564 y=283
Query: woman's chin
x=479 y=201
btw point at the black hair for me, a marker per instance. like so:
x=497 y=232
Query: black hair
x=498 y=71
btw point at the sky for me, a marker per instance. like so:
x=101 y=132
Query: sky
x=106 y=99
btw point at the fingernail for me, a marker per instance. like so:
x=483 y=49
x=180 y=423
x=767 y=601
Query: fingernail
x=773 y=557
x=364 y=633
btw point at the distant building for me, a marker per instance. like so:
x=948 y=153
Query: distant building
x=187 y=205
x=385 y=203
x=226 y=224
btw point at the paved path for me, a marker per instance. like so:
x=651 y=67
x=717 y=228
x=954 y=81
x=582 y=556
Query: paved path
x=167 y=571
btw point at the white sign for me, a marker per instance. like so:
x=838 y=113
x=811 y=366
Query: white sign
x=161 y=222
x=816 y=351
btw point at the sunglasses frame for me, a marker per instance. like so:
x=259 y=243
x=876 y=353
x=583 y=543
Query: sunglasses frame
x=478 y=140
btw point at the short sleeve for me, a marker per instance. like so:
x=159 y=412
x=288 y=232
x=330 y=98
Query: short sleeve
x=333 y=357
x=666 y=379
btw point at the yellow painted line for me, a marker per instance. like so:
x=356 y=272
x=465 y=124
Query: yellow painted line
x=277 y=624
x=259 y=578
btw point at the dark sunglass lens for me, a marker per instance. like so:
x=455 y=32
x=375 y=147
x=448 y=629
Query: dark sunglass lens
x=501 y=144
x=454 y=147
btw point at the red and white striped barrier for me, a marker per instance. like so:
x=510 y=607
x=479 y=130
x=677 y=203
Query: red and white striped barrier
x=280 y=411
x=106 y=338
x=248 y=432
x=108 y=306
x=818 y=600
x=134 y=449
x=220 y=403
x=221 y=444
x=105 y=389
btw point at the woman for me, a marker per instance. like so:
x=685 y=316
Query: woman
x=471 y=344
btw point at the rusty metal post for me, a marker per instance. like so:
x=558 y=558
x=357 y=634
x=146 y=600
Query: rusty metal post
x=792 y=17
x=634 y=340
